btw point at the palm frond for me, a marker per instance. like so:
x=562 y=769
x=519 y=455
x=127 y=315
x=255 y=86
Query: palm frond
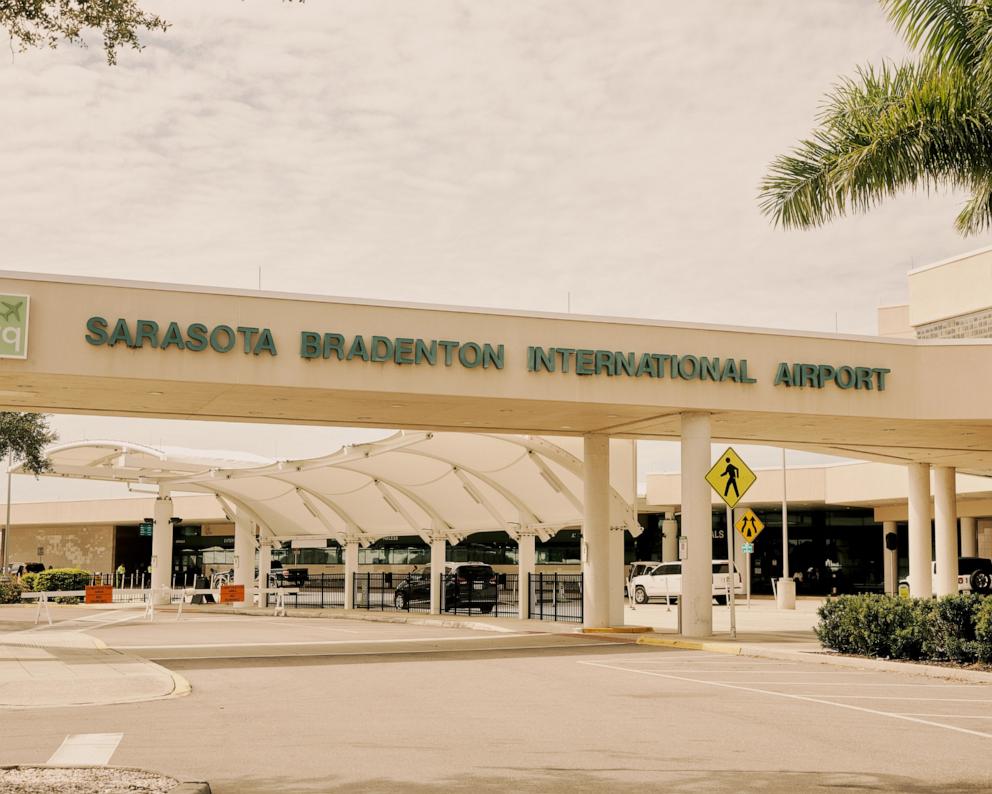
x=885 y=130
x=942 y=29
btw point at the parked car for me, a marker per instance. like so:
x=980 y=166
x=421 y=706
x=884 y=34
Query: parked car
x=665 y=581
x=636 y=569
x=974 y=576
x=466 y=585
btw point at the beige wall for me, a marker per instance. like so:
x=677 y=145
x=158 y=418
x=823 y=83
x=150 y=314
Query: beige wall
x=192 y=509
x=87 y=547
x=952 y=287
x=893 y=321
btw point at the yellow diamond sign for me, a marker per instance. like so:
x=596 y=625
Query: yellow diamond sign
x=749 y=525
x=730 y=477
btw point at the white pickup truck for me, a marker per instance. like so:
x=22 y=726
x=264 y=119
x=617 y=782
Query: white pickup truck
x=665 y=581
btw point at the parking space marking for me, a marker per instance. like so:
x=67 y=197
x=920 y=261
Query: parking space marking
x=90 y=749
x=166 y=659
x=857 y=683
x=947 y=716
x=902 y=697
x=248 y=643
x=804 y=698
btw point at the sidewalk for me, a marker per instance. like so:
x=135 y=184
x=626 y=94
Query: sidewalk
x=61 y=665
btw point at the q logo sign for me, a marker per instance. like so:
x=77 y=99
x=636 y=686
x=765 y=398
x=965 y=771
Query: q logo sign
x=14 y=326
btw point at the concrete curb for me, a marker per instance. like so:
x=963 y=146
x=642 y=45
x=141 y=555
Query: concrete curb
x=618 y=630
x=691 y=645
x=327 y=613
x=824 y=657
x=200 y=787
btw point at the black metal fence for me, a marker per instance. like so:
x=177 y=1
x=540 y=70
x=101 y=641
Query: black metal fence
x=402 y=592
x=314 y=592
x=555 y=596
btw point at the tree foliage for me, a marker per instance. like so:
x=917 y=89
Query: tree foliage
x=46 y=23
x=923 y=124
x=23 y=437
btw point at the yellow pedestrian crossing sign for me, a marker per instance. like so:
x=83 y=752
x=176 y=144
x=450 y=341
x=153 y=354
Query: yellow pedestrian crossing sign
x=749 y=525
x=730 y=477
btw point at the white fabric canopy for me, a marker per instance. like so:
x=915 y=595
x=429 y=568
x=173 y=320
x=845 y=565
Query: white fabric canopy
x=427 y=484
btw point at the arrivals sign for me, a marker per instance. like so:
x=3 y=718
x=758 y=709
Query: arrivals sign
x=400 y=351
x=14 y=326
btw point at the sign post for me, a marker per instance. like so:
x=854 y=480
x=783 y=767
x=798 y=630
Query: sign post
x=731 y=478
x=749 y=525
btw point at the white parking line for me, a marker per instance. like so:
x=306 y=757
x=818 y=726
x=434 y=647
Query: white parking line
x=804 y=698
x=92 y=749
x=856 y=683
x=901 y=697
x=948 y=716
x=249 y=643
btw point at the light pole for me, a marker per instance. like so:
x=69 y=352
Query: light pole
x=6 y=523
x=786 y=595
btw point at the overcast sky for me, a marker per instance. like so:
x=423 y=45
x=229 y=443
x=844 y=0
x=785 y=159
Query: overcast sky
x=491 y=154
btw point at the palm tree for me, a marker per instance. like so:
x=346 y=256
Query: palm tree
x=923 y=124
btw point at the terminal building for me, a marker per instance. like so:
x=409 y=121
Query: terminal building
x=908 y=405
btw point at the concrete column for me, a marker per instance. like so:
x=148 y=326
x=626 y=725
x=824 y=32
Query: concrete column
x=439 y=547
x=264 y=566
x=920 y=575
x=244 y=557
x=969 y=536
x=351 y=548
x=162 y=549
x=616 y=576
x=890 y=559
x=696 y=601
x=946 y=523
x=596 y=531
x=669 y=538
x=526 y=563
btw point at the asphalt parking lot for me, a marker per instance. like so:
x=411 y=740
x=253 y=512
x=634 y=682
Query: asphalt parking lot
x=299 y=705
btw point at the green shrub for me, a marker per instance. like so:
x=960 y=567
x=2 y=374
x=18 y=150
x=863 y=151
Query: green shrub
x=62 y=579
x=27 y=581
x=983 y=631
x=10 y=591
x=954 y=628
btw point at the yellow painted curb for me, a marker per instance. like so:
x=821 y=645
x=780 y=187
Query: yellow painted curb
x=618 y=630
x=692 y=645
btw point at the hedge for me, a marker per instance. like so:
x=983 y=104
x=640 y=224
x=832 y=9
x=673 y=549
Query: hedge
x=27 y=581
x=10 y=591
x=62 y=579
x=956 y=628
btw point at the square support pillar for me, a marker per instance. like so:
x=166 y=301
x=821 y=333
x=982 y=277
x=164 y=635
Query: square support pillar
x=969 y=536
x=890 y=557
x=596 y=531
x=244 y=557
x=920 y=573
x=946 y=525
x=439 y=548
x=526 y=563
x=264 y=566
x=669 y=538
x=161 y=583
x=696 y=601
x=616 y=602
x=351 y=548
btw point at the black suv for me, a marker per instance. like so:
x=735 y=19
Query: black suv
x=467 y=586
x=976 y=573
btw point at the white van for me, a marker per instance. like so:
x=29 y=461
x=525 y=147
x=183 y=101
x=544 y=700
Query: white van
x=665 y=581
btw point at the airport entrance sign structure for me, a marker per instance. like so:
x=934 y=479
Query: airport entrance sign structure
x=237 y=355
x=731 y=478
